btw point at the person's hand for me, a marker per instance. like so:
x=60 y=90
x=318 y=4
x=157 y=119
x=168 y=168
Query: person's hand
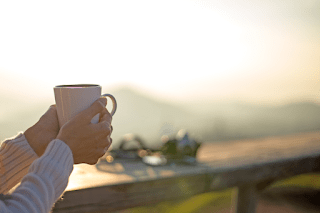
x=87 y=141
x=44 y=131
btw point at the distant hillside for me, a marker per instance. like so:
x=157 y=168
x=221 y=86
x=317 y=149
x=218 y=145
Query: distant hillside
x=207 y=121
x=150 y=118
x=239 y=120
x=147 y=117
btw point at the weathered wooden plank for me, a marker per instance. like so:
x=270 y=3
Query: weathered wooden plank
x=255 y=174
x=125 y=171
x=128 y=195
x=256 y=151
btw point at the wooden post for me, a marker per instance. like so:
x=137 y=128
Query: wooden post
x=245 y=199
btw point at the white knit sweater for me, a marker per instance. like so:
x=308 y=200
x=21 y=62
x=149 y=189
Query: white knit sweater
x=43 y=180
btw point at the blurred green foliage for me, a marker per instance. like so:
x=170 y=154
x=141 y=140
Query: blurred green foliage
x=220 y=201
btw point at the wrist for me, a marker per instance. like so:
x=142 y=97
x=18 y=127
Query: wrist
x=35 y=137
x=30 y=135
x=66 y=140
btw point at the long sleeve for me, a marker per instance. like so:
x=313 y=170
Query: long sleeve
x=16 y=156
x=45 y=182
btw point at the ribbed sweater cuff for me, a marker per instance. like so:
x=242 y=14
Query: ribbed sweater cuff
x=17 y=156
x=56 y=164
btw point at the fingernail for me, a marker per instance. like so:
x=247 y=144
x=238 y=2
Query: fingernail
x=103 y=100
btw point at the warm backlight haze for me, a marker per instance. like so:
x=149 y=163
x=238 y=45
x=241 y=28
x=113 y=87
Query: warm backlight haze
x=178 y=50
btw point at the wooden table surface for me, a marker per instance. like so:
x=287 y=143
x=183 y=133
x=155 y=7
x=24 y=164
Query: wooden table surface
x=216 y=159
x=213 y=156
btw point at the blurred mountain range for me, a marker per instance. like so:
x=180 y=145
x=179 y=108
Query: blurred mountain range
x=151 y=118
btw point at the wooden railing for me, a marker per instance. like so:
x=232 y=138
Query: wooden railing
x=249 y=165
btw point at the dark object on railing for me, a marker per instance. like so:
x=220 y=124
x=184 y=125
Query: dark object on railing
x=131 y=147
x=181 y=149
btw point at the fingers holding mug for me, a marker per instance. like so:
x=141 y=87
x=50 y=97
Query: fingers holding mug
x=106 y=118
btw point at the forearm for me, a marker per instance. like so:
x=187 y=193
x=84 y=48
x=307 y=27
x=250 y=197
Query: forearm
x=16 y=156
x=43 y=185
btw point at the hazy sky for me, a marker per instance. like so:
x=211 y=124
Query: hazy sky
x=252 y=50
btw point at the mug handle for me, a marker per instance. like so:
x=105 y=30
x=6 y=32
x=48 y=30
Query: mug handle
x=114 y=102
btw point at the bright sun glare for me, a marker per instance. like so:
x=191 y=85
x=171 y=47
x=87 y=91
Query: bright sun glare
x=140 y=42
x=160 y=45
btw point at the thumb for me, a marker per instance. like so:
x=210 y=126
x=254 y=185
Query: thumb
x=52 y=111
x=97 y=107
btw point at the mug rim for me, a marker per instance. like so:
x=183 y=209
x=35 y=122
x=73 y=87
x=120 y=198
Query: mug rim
x=77 y=86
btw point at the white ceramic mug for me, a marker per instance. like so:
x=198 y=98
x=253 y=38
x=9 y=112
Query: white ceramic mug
x=72 y=99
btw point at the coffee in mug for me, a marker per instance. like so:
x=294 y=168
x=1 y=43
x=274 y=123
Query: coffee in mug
x=72 y=99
